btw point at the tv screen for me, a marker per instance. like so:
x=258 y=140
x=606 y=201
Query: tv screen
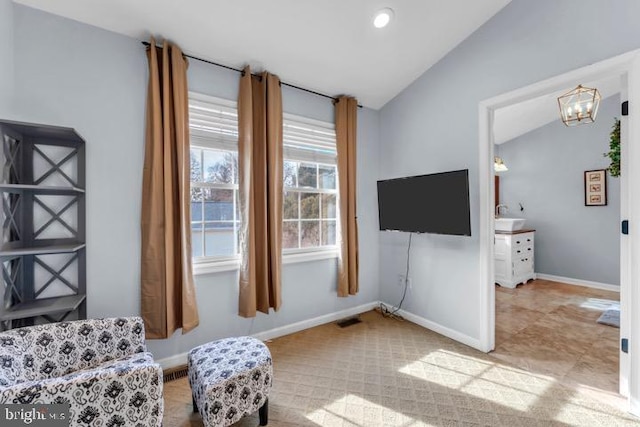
x=436 y=203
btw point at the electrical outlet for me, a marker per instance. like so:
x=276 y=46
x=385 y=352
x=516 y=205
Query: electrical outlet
x=402 y=283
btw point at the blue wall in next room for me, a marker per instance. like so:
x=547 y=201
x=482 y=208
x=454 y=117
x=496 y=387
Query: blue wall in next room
x=546 y=175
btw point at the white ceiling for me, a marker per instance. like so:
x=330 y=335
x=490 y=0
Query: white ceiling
x=329 y=46
x=518 y=119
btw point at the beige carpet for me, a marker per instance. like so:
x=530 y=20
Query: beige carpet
x=387 y=373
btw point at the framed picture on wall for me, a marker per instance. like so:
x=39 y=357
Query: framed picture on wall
x=595 y=187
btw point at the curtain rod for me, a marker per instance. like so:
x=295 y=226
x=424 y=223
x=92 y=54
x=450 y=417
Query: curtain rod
x=147 y=44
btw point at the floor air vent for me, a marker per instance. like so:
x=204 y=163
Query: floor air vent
x=348 y=322
x=175 y=373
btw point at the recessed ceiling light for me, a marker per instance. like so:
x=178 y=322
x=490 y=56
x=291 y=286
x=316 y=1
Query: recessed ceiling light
x=383 y=17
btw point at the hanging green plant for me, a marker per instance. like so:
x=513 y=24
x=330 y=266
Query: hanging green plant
x=614 y=149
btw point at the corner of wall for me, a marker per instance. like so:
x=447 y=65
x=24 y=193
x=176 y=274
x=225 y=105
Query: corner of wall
x=378 y=168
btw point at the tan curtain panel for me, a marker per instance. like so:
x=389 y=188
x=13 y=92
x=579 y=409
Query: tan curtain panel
x=168 y=300
x=346 y=109
x=260 y=182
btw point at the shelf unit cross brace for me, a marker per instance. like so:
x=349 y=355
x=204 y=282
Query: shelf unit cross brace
x=55 y=167
x=10 y=208
x=12 y=154
x=55 y=217
x=11 y=278
x=56 y=274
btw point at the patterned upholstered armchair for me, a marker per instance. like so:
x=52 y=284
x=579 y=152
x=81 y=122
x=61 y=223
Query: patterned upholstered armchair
x=99 y=367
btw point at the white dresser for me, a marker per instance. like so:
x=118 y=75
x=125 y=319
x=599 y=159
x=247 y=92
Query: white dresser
x=514 y=257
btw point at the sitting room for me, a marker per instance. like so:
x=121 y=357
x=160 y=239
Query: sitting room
x=279 y=213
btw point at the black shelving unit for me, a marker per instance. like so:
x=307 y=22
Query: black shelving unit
x=43 y=251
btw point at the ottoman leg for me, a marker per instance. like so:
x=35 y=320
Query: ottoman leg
x=195 y=405
x=263 y=413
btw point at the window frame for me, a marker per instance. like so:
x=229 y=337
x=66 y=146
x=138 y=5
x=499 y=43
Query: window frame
x=290 y=154
x=234 y=220
x=199 y=140
x=320 y=219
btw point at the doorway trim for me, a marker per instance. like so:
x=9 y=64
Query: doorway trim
x=627 y=67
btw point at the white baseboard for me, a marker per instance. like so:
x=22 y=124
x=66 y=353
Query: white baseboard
x=442 y=330
x=181 y=359
x=316 y=321
x=173 y=361
x=579 y=282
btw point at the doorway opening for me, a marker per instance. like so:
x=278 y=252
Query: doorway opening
x=557 y=255
x=626 y=68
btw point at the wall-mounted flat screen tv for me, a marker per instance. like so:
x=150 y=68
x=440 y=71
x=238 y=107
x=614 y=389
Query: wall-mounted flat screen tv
x=436 y=203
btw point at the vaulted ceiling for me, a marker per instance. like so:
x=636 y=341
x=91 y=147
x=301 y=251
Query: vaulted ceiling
x=329 y=46
x=516 y=120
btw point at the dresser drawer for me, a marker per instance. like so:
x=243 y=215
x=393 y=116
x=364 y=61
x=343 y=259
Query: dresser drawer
x=522 y=240
x=522 y=251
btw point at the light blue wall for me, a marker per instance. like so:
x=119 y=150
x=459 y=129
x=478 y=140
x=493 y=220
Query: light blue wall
x=76 y=75
x=546 y=168
x=6 y=57
x=433 y=126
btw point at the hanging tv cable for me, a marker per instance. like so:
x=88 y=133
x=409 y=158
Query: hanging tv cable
x=384 y=310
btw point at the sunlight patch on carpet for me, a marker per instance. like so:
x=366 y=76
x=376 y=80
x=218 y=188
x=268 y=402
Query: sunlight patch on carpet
x=356 y=411
x=511 y=389
x=482 y=379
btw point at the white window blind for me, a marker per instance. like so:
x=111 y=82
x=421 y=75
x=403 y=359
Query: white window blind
x=310 y=179
x=213 y=122
x=308 y=140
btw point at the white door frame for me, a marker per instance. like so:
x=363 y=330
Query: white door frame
x=627 y=66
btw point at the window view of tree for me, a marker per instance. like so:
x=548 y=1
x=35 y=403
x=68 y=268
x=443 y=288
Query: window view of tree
x=309 y=208
x=220 y=166
x=214 y=195
x=196 y=174
x=310 y=193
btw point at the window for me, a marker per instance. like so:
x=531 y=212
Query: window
x=310 y=192
x=310 y=182
x=214 y=178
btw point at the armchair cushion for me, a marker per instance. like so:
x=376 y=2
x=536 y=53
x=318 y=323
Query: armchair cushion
x=98 y=367
x=55 y=349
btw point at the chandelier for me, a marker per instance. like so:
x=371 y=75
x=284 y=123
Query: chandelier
x=579 y=105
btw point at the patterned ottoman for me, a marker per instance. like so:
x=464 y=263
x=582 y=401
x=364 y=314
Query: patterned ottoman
x=230 y=378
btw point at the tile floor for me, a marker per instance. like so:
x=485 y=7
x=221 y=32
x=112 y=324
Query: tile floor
x=550 y=328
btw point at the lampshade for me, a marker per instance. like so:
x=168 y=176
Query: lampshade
x=579 y=105
x=498 y=165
